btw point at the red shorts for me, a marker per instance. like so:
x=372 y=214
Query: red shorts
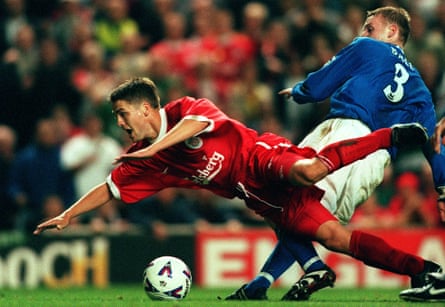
x=269 y=193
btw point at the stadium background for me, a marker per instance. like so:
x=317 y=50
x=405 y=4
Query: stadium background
x=61 y=57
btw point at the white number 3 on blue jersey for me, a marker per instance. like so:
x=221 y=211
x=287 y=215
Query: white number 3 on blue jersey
x=400 y=78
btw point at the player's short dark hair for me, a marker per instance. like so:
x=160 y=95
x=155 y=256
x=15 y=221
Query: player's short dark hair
x=396 y=15
x=136 y=90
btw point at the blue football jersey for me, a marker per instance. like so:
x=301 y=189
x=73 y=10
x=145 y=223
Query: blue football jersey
x=372 y=81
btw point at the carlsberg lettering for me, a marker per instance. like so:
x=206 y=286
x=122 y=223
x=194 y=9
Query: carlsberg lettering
x=213 y=167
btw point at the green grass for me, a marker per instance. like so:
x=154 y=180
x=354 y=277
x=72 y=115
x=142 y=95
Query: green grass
x=133 y=295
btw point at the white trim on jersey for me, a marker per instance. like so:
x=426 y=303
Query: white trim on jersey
x=201 y=118
x=113 y=188
x=267 y=146
x=163 y=128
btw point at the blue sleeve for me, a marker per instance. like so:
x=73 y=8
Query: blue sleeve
x=322 y=83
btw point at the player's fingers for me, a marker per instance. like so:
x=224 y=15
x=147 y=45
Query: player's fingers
x=439 y=135
x=436 y=143
x=437 y=140
x=117 y=160
x=40 y=228
x=121 y=158
x=137 y=155
x=287 y=92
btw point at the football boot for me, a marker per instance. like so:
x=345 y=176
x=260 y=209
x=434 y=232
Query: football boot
x=408 y=135
x=309 y=283
x=432 y=292
x=241 y=295
x=422 y=279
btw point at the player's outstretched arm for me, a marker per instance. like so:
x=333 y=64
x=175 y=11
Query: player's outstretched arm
x=97 y=197
x=438 y=136
x=184 y=129
x=144 y=153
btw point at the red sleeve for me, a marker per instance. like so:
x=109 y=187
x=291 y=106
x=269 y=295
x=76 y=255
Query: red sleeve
x=135 y=180
x=199 y=109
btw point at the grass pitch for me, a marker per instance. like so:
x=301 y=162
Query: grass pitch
x=133 y=295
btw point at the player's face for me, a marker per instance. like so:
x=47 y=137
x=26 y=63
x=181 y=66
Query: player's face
x=378 y=28
x=133 y=118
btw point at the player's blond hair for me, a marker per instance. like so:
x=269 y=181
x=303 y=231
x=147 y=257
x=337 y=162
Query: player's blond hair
x=396 y=15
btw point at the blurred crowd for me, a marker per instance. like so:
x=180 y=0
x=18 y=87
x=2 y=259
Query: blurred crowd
x=60 y=58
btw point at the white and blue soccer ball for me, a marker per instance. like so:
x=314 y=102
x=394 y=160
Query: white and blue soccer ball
x=167 y=278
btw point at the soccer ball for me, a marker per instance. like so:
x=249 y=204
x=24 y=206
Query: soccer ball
x=167 y=278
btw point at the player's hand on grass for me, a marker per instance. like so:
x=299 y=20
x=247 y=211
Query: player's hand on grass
x=59 y=222
x=287 y=92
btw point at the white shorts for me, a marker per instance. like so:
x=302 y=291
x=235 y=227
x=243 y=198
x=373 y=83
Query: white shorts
x=350 y=186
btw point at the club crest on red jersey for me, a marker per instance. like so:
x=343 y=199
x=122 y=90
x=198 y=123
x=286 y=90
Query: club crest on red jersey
x=194 y=142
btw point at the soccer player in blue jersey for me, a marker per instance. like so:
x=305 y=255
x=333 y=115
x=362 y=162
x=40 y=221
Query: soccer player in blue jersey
x=371 y=85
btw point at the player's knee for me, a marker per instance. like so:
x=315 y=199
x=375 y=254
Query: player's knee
x=306 y=172
x=334 y=237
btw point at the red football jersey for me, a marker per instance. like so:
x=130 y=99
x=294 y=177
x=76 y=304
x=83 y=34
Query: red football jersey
x=230 y=160
x=214 y=159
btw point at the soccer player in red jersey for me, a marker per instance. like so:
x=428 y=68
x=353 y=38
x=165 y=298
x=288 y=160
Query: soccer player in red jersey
x=190 y=143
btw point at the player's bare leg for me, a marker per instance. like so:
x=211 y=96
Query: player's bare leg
x=339 y=154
